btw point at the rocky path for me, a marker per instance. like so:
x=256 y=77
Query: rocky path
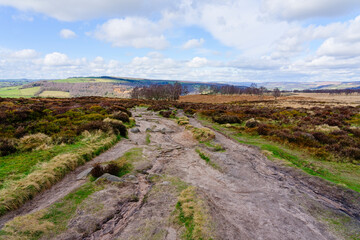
x=249 y=196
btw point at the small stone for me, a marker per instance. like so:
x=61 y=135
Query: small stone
x=165 y=183
x=135 y=130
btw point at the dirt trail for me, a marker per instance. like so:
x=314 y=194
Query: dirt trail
x=249 y=198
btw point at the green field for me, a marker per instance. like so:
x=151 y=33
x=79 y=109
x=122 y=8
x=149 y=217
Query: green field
x=55 y=94
x=15 y=92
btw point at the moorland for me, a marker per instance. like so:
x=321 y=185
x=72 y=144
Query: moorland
x=179 y=168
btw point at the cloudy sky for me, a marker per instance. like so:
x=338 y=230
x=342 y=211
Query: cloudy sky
x=202 y=40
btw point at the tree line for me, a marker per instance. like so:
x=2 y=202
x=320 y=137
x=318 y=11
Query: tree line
x=159 y=92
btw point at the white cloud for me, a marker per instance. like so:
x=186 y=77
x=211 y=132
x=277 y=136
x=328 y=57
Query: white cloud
x=295 y=9
x=67 y=34
x=234 y=23
x=132 y=32
x=193 y=43
x=72 y=10
x=197 y=62
x=56 y=59
x=24 y=54
x=346 y=43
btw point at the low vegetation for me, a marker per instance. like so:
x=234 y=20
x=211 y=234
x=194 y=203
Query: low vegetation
x=41 y=140
x=192 y=214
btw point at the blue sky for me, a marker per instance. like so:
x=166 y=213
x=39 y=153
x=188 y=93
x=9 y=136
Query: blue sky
x=202 y=40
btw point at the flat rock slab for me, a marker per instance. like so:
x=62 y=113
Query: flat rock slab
x=110 y=178
x=84 y=174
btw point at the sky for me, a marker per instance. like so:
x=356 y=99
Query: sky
x=198 y=40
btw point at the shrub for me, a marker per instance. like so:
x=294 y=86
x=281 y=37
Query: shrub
x=94 y=125
x=97 y=170
x=352 y=152
x=7 y=146
x=355 y=131
x=224 y=118
x=122 y=109
x=119 y=128
x=166 y=114
x=33 y=141
x=190 y=111
x=20 y=132
x=112 y=169
x=251 y=123
x=121 y=116
x=263 y=129
x=158 y=107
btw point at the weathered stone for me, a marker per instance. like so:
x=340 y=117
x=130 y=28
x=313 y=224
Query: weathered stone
x=84 y=174
x=110 y=178
x=135 y=130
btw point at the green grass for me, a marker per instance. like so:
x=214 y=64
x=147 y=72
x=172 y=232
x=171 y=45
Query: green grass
x=147 y=139
x=344 y=174
x=207 y=159
x=61 y=211
x=55 y=94
x=16 y=92
x=16 y=166
x=203 y=156
x=216 y=147
x=133 y=155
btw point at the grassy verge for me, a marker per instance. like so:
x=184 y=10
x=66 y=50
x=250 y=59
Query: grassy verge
x=344 y=174
x=19 y=165
x=48 y=173
x=49 y=222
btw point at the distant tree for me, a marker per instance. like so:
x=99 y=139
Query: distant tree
x=159 y=92
x=276 y=93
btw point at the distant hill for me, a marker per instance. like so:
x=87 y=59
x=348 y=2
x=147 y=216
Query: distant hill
x=108 y=86
x=310 y=85
x=90 y=86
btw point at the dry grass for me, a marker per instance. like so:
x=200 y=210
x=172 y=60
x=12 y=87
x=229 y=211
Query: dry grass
x=193 y=213
x=294 y=100
x=326 y=128
x=48 y=173
x=203 y=134
x=183 y=121
x=34 y=142
x=198 y=98
x=200 y=134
